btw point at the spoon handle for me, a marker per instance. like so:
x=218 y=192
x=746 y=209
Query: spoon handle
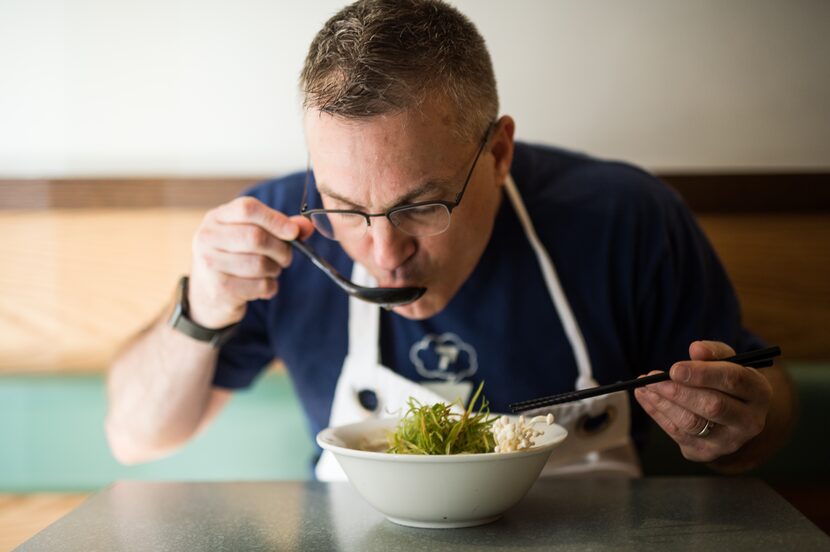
x=385 y=297
x=322 y=264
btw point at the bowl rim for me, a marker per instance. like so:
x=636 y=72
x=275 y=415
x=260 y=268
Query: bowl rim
x=557 y=439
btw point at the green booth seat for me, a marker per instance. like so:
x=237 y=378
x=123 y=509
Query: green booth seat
x=52 y=437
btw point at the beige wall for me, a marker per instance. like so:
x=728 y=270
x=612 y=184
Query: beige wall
x=194 y=87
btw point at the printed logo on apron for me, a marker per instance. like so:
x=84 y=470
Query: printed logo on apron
x=445 y=357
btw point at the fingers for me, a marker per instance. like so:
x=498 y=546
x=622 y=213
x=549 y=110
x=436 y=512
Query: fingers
x=244 y=265
x=248 y=226
x=238 y=251
x=245 y=225
x=243 y=239
x=248 y=210
x=710 y=350
x=735 y=380
x=722 y=392
x=683 y=405
x=245 y=289
x=306 y=227
x=692 y=447
x=734 y=398
x=690 y=407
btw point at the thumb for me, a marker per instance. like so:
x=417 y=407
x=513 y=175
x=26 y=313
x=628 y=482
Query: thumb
x=306 y=227
x=710 y=350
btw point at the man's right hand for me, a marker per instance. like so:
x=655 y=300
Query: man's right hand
x=239 y=250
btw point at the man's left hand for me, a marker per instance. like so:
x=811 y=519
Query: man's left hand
x=733 y=399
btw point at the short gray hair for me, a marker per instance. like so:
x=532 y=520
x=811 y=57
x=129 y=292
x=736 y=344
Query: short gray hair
x=384 y=56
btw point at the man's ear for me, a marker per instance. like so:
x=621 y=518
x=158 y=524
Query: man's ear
x=502 y=147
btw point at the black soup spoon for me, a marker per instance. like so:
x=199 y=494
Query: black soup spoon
x=387 y=297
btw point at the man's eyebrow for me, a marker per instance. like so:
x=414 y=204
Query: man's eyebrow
x=323 y=190
x=428 y=187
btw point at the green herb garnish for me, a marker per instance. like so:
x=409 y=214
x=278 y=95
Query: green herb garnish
x=436 y=429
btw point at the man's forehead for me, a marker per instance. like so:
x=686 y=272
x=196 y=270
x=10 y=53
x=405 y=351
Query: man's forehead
x=386 y=160
x=430 y=121
x=382 y=145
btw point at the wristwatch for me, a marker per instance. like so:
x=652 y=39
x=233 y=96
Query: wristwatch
x=180 y=320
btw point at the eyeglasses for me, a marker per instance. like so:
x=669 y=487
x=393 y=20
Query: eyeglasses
x=421 y=219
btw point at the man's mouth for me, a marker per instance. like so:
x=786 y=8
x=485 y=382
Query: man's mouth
x=400 y=277
x=398 y=283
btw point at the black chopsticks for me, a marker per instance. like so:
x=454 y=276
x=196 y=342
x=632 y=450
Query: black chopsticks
x=759 y=358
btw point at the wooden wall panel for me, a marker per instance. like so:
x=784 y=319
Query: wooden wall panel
x=120 y=193
x=76 y=283
x=780 y=266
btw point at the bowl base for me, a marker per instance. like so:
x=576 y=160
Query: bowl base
x=443 y=524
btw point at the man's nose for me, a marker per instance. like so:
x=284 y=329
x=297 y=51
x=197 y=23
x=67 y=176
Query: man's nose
x=390 y=247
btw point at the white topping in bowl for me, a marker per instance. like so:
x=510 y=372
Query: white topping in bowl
x=519 y=435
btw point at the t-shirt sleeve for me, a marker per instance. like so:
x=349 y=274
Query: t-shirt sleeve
x=683 y=292
x=247 y=353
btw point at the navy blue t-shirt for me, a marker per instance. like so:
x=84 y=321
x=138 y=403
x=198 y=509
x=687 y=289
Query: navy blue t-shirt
x=641 y=278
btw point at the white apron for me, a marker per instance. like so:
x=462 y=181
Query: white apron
x=598 y=428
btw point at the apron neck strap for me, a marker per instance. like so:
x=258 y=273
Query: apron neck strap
x=364 y=321
x=557 y=294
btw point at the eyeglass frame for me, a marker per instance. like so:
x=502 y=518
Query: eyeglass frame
x=448 y=205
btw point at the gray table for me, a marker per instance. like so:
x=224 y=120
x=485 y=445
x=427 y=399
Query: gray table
x=568 y=514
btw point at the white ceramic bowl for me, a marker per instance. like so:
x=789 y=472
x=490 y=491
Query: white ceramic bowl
x=440 y=491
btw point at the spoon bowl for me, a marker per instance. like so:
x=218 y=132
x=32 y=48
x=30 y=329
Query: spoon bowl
x=386 y=297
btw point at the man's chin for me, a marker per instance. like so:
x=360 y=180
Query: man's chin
x=425 y=307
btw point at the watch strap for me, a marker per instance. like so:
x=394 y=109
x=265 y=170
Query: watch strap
x=180 y=320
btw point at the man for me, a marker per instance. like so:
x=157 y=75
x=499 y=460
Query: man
x=544 y=269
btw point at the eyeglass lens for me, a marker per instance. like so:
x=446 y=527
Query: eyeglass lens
x=420 y=221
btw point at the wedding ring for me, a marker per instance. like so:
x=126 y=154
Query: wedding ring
x=707 y=429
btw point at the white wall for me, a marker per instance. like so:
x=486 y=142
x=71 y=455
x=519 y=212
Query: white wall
x=170 y=87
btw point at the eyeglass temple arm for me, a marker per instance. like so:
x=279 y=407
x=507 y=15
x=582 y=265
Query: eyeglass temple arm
x=484 y=140
x=304 y=202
